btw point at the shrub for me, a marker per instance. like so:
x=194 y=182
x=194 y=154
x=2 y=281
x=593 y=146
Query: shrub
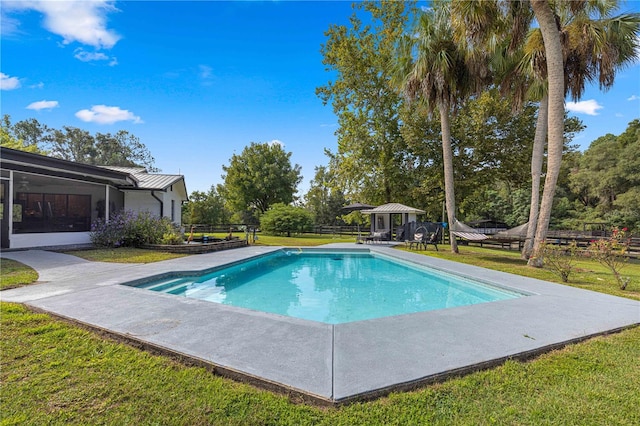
x=610 y=252
x=560 y=259
x=172 y=238
x=130 y=229
x=283 y=219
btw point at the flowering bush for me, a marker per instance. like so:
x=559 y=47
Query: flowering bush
x=610 y=252
x=560 y=259
x=129 y=229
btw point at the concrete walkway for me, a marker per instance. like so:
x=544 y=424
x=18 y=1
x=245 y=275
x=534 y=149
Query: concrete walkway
x=52 y=266
x=322 y=362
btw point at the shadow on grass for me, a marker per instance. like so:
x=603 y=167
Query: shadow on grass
x=503 y=260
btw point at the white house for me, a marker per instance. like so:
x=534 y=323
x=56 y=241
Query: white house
x=46 y=201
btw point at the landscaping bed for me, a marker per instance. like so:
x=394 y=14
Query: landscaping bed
x=197 y=248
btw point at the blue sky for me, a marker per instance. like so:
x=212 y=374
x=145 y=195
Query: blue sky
x=198 y=81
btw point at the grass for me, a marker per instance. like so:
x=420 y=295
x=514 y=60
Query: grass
x=303 y=240
x=15 y=274
x=123 y=255
x=53 y=372
x=588 y=274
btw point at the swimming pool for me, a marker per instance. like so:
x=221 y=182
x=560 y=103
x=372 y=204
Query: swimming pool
x=332 y=287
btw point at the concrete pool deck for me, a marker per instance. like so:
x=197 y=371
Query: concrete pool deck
x=320 y=362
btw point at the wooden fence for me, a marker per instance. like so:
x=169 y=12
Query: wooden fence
x=582 y=239
x=237 y=227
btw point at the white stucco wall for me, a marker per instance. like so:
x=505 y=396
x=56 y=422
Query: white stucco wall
x=177 y=197
x=143 y=201
x=48 y=239
x=139 y=201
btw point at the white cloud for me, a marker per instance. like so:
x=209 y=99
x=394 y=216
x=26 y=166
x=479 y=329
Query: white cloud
x=589 y=107
x=8 y=83
x=205 y=71
x=37 y=86
x=85 y=56
x=633 y=98
x=8 y=26
x=43 y=105
x=206 y=75
x=75 y=20
x=276 y=142
x=103 y=114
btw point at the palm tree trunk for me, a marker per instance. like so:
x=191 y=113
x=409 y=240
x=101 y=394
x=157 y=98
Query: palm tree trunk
x=447 y=158
x=555 y=76
x=539 y=141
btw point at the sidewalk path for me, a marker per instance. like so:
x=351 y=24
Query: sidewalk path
x=52 y=266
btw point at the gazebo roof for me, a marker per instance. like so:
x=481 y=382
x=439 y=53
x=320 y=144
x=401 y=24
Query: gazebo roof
x=393 y=208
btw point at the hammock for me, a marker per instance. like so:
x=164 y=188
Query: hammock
x=468 y=233
x=519 y=232
x=461 y=230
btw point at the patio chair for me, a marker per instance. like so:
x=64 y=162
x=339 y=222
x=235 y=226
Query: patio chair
x=433 y=239
x=419 y=238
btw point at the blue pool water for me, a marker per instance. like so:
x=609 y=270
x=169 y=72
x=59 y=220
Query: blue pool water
x=332 y=287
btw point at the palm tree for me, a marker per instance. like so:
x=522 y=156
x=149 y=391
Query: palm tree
x=565 y=52
x=555 y=119
x=501 y=27
x=592 y=49
x=431 y=68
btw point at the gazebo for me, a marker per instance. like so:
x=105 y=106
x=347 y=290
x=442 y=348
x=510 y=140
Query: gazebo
x=382 y=216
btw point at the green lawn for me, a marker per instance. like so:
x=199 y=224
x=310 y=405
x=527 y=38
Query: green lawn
x=123 y=255
x=56 y=373
x=15 y=274
x=53 y=372
x=588 y=274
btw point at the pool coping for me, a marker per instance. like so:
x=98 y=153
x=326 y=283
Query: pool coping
x=323 y=363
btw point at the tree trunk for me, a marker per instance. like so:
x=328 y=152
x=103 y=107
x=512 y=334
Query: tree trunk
x=447 y=159
x=539 y=142
x=555 y=75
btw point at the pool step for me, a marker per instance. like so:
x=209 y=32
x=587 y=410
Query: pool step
x=165 y=286
x=206 y=292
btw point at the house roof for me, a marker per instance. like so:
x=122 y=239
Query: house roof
x=35 y=163
x=391 y=208
x=121 y=177
x=148 y=181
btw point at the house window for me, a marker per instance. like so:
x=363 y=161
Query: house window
x=40 y=212
x=173 y=210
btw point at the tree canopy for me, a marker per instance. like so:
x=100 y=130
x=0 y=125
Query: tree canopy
x=262 y=175
x=369 y=160
x=71 y=143
x=324 y=198
x=205 y=208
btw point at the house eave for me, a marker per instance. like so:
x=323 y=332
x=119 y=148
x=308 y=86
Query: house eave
x=34 y=163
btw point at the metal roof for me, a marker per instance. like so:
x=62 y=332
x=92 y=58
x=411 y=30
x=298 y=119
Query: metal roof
x=156 y=181
x=393 y=208
x=151 y=181
x=130 y=170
